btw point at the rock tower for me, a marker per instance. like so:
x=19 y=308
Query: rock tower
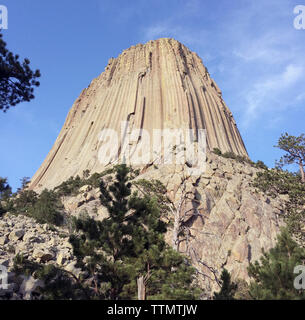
x=157 y=85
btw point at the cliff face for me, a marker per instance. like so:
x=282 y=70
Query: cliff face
x=158 y=85
x=223 y=221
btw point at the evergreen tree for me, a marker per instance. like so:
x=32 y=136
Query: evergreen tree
x=228 y=288
x=17 y=80
x=24 y=183
x=5 y=189
x=129 y=247
x=274 y=182
x=273 y=276
x=5 y=193
x=295 y=151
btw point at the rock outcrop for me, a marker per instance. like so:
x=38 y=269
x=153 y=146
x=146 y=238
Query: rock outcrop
x=219 y=219
x=225 y=222
x=158 y=85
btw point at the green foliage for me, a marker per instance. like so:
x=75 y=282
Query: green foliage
x=242 y=292
x=86 y=174
x=24 y=201
x=260 y=165
x=5 y=193
x=228 y=288
x=154 y=188
x=96 y=178
x=47 y=208
x=5 y=189
x=294 y=147
x=115 y=252
x=273 y=275
x=241 y=159
x=129 y=244
x=69 y=187
x=232 y=155
x=229 y=155
x=59 y=284
x=2 y=210
x=24 y=183
x=17 y=80
x=171 y=277
x=295 y=151
x=24 y=266
x=217 y=151
x=274 y=182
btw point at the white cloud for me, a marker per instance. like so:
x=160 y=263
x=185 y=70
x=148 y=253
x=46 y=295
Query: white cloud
x=271 y=93
x=252 y=51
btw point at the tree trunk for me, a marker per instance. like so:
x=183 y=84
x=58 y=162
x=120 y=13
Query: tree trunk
x=141 y=288
x=175 y=241
x=302 y=172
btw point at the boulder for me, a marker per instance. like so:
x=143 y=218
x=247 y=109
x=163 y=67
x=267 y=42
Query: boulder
x=16 y=235
x=42 y=255
x=3 y=240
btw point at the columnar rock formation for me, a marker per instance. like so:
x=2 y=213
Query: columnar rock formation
x=161 y=84
x=218 y=219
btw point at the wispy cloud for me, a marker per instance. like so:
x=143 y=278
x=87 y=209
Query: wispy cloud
x=251 y=50
x=271 y=93
x=170 y=30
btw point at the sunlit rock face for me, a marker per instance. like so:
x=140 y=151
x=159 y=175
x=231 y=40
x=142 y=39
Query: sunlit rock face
x=158 y=85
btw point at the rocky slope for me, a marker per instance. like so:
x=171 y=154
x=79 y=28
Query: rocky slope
x=226 y=225
x=22 y=235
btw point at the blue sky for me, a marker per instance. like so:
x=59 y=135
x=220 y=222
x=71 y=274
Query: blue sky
x=250 y=48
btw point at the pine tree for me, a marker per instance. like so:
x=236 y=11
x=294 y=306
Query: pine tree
x=5 y=193
x=295 y=151
x=273 y=276
x=128 y=248
x=228 y=288
x=166 y=273
x=5 y=189
x=17 y=80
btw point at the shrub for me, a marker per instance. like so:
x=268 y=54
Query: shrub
x=217 y=151
x=229 y=155
x=24 y=201
x=69 y=187
x=260 y=165
x=47 y=208
x=94 y=180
